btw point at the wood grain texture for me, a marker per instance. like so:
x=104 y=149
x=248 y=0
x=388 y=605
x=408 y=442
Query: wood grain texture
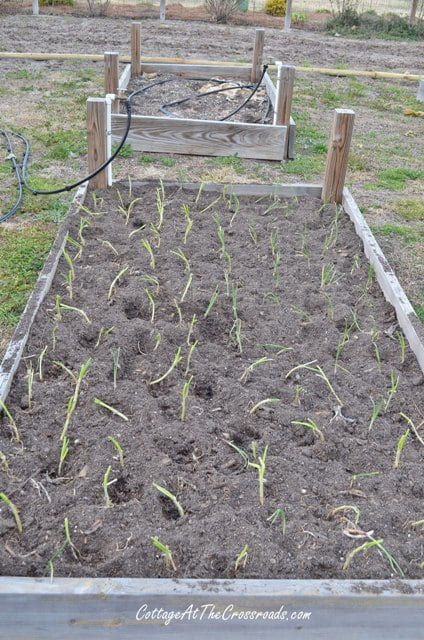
x=245 y=189
x=135 y=49
x=258 y=50
x=338 y=153
x=198 y=70
x=202 y=137
x=96 y=140
x=390 y=285
x=111 y=73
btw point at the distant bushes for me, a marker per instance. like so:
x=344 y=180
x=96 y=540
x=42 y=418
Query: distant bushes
x=275 y=7
x=52 y=3
x=371 y=24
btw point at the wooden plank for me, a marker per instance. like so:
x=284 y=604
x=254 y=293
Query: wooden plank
x=258 y=50
x=292 y=139
x=135 y=49
x=96 y=140
x=202 y=137
x=287 y=18
x=122 y=609
x=198 y=70
x=420 y=94
x=162 y=10
x=270 y=89
x=337 y=157
x=111 y=76
x=284 y=98
x=13 y=354
x=125 y=78
x=35 y=8
x=393 y=292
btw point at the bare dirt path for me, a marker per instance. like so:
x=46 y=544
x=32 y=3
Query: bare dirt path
x=198 y=39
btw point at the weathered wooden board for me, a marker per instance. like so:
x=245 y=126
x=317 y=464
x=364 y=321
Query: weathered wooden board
x=202 y=137
x=125 y=78
x=276 y=189
x=130 y=609
x=198 y=70
x=271 y=91
x=390 y=285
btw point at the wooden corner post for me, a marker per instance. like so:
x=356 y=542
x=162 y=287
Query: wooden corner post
x=111 y=66
x=258 y=50
x=284 y=98
x=135 y=49
x=96 y=139
x=337 y=157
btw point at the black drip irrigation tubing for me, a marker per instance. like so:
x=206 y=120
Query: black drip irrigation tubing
x=20 y=169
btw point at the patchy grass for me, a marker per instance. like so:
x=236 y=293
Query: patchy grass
x=411 y=209
x=22 y=254
x=395 y=179
x=407 y=234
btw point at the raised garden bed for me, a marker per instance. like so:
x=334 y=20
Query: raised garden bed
x=299 y=291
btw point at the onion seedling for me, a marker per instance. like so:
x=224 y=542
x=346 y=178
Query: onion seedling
x=169 y=561
x=188 y=229
x=253 y=233
x=211 y=204
x=71 y=273
x=402 y=344
x=63 y=454
x=116 y=366
x=146 y=244
x=30 y=381
x=234 y=198
x=151 y=305
x=130 y=235
x=73 y=400
x=260 y=467
x=180 y=253
x=75 y=244
x=102 y=334
x=241 y=452
x=355 y=264
x=413 y=428
x=13 y=509
x=320 y=373
x=376 y=411
x=328 y=273
x=241 y=559
x=156 y=235
x=212 y=301
x=343 y=339
x=190 y=353
x=260 y=404
x=171 y=496
x=106 y=484
x=13 y=426
x=40 y=363
x=66 y=307
x=118 y=449
x=158 y=339
x=111 y=409
x=306 y=317
x=187 y=287
x=394 y=383
x=184 y=395
x=370 y=276
x=374 y=543
x=310 y=424
x=152 y=280
x=344 y=508
x=126 y=212
x=281 y=347
x=331 y=238
x=248 y=370
x=191 y=329
x=330 y=305
x=115 y=280
x=67 y=543
x=297 y=393
x=377 y=355
x=199 y=193
x=160 y=203
x=83 y=224
x=179 y=312
x=279 y=514
x=400 y=445
x=235 y=332
x=177 y=358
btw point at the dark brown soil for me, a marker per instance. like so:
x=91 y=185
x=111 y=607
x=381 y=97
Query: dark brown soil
x=200 y=99
x=287 y=315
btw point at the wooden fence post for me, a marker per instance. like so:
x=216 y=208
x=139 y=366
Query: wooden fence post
x=283 y=99
x=135 y=49
x=420 y=94
x=258 y=49
x=287 y=19
x=111 y=67
x=162 y=10
x=35 y=8
x=96 y=139
x=337 y=157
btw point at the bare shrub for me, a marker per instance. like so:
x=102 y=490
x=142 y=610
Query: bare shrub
x=222 y=10
x=98 y=7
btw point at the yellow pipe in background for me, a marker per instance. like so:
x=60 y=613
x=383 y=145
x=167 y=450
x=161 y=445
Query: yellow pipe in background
x=150 y=59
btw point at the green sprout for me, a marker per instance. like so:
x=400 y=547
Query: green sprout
x=187 y=287
x=400 y=445
x=346 y=507
x=146 y=244
x=151 y=305
x=190 y=353
x=260 y=467
x=367 y=545
x=156 y=235
x=106 y=484
x=171 y=496
x=310 y=424
x=158 y=340
x=67 y=543
x=82 y=313
x=376 y=411
x=279 y=515
x=328 y=273
x=402 y=343
x=30 y=380
x=413 y=428
x=191 y=329
x=212 y=301
x=320 y=373
x=241 y=559
x=176 y=360
x=3 y=461
x=394 y=383
x=180 y=253
x=248 y=370
x=160 y=203
x=179 y=312
x=235 y=333
x=116 y=366
x=111 y=409
x=102 y=334
x=40 y=363
x=13 y=426
x=73 y=400
x=115 y=280
x=63 y=454
x=71 y=273
x=253 y=234
x=164 y=548
x=184 y=394
x=13 y=509
x=118 y=449
x=260 y=404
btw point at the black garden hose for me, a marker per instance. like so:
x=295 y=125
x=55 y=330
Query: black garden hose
x=20 y=169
